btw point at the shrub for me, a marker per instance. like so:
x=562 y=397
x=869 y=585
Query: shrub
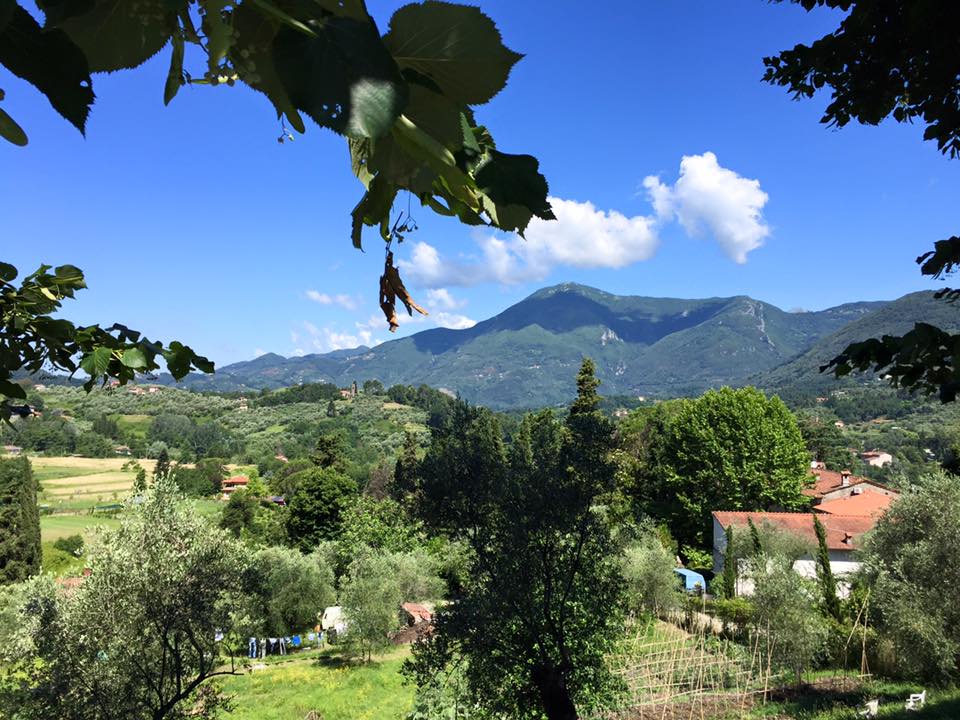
x=72 y=544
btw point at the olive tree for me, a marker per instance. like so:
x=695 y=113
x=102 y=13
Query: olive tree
x=139 y=638
x=911 y=562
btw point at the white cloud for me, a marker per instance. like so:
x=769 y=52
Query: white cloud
x=257 y=352
x=344 y=301
x=706 y=199
x=325 y=339
x=441 y=298
x=454 y=321
x=582 y=236
x=713 y=199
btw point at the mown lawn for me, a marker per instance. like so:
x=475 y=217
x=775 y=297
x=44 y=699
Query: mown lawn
x=58 y=526
x=335 y=689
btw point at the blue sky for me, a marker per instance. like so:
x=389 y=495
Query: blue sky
x=192 y=222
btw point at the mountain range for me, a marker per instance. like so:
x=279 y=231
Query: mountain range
x=528 y=355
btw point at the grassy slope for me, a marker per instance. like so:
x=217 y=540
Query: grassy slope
x=336 y=691
x=940 y=705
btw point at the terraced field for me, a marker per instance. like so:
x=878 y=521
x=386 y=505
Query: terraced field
x=74 y=483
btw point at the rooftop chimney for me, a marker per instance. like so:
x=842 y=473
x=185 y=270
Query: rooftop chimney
x=844 y=478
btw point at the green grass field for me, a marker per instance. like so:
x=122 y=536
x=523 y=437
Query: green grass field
x=336 y=691
x=58 y=526
x=75 y=484
x=827 y=705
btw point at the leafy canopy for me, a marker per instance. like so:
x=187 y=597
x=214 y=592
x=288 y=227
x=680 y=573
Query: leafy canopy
x=402 y=99
x=33 y=339
x=727 y=450
x=544 y=570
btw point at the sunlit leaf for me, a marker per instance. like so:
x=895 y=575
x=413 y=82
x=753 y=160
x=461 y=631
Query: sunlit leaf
x=456 y=46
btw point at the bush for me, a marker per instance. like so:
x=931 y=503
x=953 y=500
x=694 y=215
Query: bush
x=651 y=584
x=72 y=544
x=910 y=559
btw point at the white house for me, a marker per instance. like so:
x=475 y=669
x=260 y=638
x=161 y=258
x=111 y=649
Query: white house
x=843 y=539
x=877 y=458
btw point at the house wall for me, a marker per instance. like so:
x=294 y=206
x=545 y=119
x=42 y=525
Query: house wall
x=842 y=563
x=846 y=492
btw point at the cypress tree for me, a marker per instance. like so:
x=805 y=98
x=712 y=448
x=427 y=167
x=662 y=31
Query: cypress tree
x=729 y=567
x=20 y=554
x=406 y=469
x=828 y=583
x=161 y=470
x=755 y=537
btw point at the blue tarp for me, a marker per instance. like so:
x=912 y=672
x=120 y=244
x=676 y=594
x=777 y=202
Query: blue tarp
x=691 y=580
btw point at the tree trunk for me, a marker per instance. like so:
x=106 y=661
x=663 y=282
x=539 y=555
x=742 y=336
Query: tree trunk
x=557 y=703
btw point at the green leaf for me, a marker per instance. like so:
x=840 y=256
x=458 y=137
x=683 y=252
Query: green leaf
x=12 y=390
x=252 y=56
x=456 y=46
x=373 y=208
x=96 y=362
x=8 y=273
x=343 y=78
x=50 y=62
x=134 y=358
x=10 y=131
x=217 y=28
x=113 y=34
x=515 y=185
x=175 y=74
x=435 y=114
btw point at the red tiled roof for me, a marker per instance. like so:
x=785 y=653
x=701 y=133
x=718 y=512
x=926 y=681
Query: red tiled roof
x=827 y=481
x=868 y=504
x=843 y=531
x=418 y=612
x=236 y=480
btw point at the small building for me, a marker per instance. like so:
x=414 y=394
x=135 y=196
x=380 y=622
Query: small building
x=135 y=390
x=12 y=450
x=690 y=581
x=877 y=458
x=839 y=424
x=122 y=450
x=830 y=485
x=234 y=483
x=278 y=500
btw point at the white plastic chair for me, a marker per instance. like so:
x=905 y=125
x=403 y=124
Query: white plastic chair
x=871 y=709
x=916 y=700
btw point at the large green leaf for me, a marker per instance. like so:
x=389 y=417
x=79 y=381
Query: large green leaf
x=115 y=34
x=456 y=46
x=515 y=185
x=96 y=363
x=50 y=62
x=435 y=114
x=343 y=77
x=252 y=56
x=10 y=131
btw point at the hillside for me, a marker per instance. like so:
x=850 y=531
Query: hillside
x=895 y=318
x=527 y=355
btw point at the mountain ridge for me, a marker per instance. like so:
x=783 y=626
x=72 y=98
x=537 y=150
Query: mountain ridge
x=527 y=355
